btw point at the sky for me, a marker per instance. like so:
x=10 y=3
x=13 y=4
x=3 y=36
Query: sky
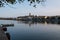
x=49 y=8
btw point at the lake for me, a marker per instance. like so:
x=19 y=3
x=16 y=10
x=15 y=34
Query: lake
x=32 y=31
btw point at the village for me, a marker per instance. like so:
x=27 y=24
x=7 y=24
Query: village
x=48 y=19
x=35 y=18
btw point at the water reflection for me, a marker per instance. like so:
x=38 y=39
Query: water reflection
x=46 y=22
x=24 y=30
x=37 y=32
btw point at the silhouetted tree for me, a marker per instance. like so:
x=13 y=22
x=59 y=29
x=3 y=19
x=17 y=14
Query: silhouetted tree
x=7 y=2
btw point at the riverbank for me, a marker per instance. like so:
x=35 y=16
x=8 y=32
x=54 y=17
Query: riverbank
x=2 y=18
x=48 y=19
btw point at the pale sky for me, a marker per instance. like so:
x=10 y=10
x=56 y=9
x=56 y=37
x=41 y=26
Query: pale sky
x=52 y=7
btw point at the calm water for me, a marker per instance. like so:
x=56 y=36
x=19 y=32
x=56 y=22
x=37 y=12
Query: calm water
x=36 y=31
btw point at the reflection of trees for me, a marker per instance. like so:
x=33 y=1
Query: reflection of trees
x=42 y=22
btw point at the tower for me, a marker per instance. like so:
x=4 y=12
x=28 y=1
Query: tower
x=29 y=14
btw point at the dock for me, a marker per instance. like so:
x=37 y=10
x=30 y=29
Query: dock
x=3 y=35
x=7 y=25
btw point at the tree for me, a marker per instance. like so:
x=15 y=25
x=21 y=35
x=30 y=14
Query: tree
x=7 y=2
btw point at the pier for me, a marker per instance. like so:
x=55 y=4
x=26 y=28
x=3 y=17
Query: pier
x=3 y=35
